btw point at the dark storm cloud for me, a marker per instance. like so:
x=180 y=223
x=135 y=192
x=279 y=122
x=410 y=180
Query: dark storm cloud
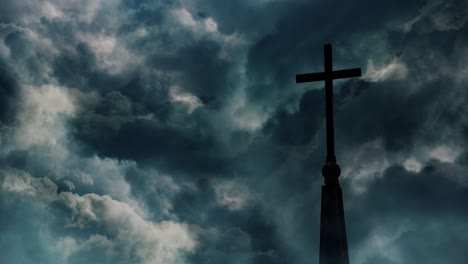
x=398 y=110
x=403 y=112
x=278 y=56
x=177 y=141
x=141 y=124
x=396 y=126
x=8 y=91
x=196 y=67
x=202 y=71
x=415 y=205
x=299 y=127
x=80 y=70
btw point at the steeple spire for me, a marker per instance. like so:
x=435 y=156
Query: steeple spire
x=333 y=240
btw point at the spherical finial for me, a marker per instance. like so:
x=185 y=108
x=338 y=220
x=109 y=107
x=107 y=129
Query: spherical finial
x=331 y=171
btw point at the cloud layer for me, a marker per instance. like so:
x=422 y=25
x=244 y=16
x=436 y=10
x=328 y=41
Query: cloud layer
x=173 y=131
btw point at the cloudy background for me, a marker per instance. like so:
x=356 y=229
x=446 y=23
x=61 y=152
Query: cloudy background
x=173 y=131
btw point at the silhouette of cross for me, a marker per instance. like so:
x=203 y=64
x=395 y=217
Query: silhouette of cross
x=328 y=76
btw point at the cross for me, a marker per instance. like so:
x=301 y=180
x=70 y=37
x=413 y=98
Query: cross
x=328 y=76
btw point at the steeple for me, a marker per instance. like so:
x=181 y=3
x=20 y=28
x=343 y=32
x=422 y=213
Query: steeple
x=333 y=240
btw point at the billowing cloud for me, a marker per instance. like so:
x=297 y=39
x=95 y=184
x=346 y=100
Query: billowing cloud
x=173 y=131
x=177 y=95
x=127 y=236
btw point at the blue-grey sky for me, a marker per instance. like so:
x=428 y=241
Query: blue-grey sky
x=173 y=132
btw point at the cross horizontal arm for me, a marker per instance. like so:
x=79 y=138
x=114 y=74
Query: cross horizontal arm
x=320 y=76
x=310 y=77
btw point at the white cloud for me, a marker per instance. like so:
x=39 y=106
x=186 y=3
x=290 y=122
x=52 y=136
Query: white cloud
x=30 y=11
x=132 y=236
x=21 y=182
x=394 y=70
x=178 y=95
x=365 y=164
x=232 y=195
x=439 y=15
x=412 y=165
x=184 y=17
x=211 y=25
x=233 y=45
x=242 y=115
x=163 y=188
x=423 y=154
x=76 y=174
x=42 y=112
x=381 y=243
x=41 y=130
x=70 y=185
x=111 y=53
x=14 y=27
x=445 y=153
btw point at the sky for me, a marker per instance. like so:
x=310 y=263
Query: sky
x=173 y=132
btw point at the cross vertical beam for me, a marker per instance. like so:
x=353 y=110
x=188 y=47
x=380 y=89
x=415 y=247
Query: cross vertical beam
x=328 y=75
x=329 y=103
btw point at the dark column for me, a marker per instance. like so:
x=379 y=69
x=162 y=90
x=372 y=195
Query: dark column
x=333 y=241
